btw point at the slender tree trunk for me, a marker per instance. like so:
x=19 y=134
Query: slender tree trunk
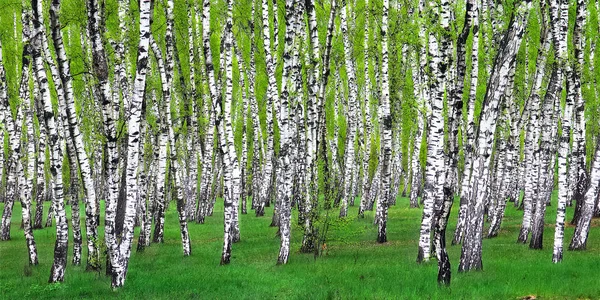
x=503 y=180
x=172 y=123
x=532 y=136
x=109 y=115
x=559 y=21
x=13 y=127
x=66 y=135
x=57 y=272
x=257 y=143
x=291 y=71
x=209 y=160
x=497 y=83
x=230 y=164
x=40 y=170
x=469 y=137
x=310 y=179
x=268 y=189
x=26 y=174
x=93 y=258
x=583 y=219
x=443 y=203
x=435 y=170
x=386 y=118
x=367 y=126
x=351 y=111
x=545 y=158
x=191 y=183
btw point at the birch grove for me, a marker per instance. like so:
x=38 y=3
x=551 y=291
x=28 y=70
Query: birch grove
x=136 y=116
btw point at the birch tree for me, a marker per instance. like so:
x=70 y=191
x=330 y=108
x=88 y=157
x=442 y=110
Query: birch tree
x=57 y=272
x=533 y=134
x=230 y=165
x=272 y=98
x=291 y=70
x=119 y=252
x=386 y=130
x=434 y=173
x=93 y=258
x=579 y=240
x=499 y=78
x=349 y=156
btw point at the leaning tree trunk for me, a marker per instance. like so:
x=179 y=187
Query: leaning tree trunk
x=68 y=139
x=27 y=186
x=532 y=136
x=57 y=272
x=497 y=83
x=119 y=254
x=469 y=134
x=93 y=258
x=545 y=156
x=580 y=181
x=13 y=127
x=579 y=241
x=503 y=180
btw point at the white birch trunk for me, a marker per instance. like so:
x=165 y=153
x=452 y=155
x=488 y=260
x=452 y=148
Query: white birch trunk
x=268 y=188
x=351 y=111
x=498 y=81
x=230 y=165
x=386 y=118
x=565 y=138
x=469 y=136
x=434 y=172
x=579 y=240
x=532 y=136
x=57 y=272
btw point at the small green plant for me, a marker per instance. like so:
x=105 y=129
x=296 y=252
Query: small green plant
x=27 y=270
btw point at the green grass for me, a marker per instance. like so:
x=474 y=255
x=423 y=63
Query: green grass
x=355 y=266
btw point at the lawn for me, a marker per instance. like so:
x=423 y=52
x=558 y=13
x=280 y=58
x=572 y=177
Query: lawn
x=354 y=266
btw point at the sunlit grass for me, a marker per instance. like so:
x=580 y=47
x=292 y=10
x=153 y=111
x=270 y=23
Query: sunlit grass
x=354 y=266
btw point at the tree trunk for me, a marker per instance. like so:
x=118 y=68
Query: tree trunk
x=351 y=111
x=469 y=136
x=386 y=118
x=291 y=71
x=25 y=175
x=268 y=188
x=230 y=164
x=532 y=136
x=57 y=272
x=497 y=83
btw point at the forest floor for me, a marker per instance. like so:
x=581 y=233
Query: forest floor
x=354 y=264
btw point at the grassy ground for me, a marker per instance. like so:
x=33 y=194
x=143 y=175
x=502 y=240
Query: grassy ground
x=355 y=265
